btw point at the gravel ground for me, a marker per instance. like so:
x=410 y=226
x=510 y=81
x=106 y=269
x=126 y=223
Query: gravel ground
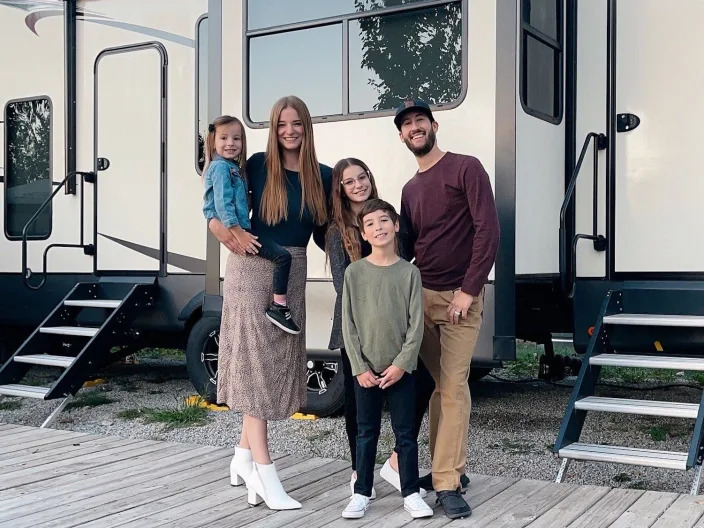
x=513 y=426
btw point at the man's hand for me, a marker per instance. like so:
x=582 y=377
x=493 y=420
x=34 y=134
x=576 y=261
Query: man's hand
x=458 y=306
x=367 y=380
x=225 y=236
x=390 y=376
x=247 y=240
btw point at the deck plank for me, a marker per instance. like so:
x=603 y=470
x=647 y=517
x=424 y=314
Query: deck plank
x=608 y=509
x=683 y=513
x=570 y=508
x=646 y=510
x=41 y=443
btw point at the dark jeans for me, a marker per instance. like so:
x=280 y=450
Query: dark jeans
x=281 y=258
x=424 y=390
x=401 y=398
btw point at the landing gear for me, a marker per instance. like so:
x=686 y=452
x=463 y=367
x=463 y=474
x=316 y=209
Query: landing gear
x=555 y=367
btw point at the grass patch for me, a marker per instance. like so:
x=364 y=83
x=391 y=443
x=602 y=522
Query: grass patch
x=183 y=414
x=621 y=478
x=89 y=399
x=10 y=405
x=637 y=375
x=657 y=433
x=161 y=353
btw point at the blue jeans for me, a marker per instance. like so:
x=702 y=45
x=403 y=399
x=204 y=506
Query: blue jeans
x=281 y=258
x=401 y=398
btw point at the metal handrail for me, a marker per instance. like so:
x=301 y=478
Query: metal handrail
x=26 y=271
x=568 y=283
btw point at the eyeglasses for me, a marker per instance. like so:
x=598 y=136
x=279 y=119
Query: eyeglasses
x=361 y=178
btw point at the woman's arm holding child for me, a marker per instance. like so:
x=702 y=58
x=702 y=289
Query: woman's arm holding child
x=225 y=188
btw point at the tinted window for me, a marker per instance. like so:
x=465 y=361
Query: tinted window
x=269 y=13
x=27 y=166
x=394 y=57
x=201 y=92
x=541 y=59
x=313 y=73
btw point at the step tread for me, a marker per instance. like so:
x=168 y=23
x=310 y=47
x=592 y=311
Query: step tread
x=26 y=391
x=46 y=359
x=661 y=362
x=625 y=455
x=645 y=407
x=94 y=303
x=88 y=331
x=655 y=320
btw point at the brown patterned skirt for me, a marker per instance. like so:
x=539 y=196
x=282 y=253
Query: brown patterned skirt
x=261 y=368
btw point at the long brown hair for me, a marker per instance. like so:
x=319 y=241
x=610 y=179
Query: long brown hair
x=210 y=142
x=342 y=216
x=274 y=204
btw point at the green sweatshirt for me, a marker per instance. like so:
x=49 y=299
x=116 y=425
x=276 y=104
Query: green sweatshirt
x=382 y=316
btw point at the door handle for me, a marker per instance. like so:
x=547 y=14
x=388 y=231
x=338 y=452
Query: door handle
x=626 y=122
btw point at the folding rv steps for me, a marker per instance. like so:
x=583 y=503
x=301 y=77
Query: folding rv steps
x=46 y=359
x=642 y=407
x=651 y=362
x=24 y=391
x=626 y=335
x=87 y=323
x=84 y=331
x=691 y=321
x=625 y=455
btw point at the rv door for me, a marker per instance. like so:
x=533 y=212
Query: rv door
x=130 y=159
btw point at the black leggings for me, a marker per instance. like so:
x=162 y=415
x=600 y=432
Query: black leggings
x=424 y=390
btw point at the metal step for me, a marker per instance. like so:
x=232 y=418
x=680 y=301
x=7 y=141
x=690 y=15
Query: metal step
x=24 y=391
x=644 y=407
x=46 y=359
x=625 y=455
x=93 y=303
x=690 y=321
x=661 y=362
x=85 y=331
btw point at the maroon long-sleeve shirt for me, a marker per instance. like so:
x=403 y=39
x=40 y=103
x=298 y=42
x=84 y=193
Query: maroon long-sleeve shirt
x=452 y=227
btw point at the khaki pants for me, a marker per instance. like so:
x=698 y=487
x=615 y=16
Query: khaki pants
x=447 y=352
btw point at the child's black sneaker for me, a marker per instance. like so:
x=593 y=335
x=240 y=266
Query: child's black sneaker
x=281 y=317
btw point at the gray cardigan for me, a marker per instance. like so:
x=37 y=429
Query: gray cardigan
x=339 y=260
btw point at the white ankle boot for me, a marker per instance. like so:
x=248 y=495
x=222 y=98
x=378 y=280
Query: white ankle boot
x=241 y=466
x=264 y=485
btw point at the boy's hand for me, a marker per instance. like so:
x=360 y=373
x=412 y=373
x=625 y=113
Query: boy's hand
x=367 y=379
x=246 y=240
x=390 y=376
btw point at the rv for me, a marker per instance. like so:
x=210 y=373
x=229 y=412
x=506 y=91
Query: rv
x=583 y=113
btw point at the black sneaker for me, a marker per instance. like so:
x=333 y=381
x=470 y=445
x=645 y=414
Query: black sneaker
x=454 y=505
x=426 y=481
x=281 y=317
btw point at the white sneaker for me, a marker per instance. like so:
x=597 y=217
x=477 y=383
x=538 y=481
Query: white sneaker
x=390 y=475
x=357 y=506
x=416 y=506
x=353 y=479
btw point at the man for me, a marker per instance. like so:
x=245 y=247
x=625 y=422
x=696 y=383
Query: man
x=449 y=212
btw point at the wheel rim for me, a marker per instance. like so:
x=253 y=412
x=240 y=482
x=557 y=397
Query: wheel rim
x=320 y=375
x=209 y=355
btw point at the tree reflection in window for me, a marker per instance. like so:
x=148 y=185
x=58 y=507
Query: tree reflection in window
x=413 y=54
x=28 y=166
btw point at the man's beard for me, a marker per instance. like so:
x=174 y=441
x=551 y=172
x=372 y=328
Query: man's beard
x=426 y=147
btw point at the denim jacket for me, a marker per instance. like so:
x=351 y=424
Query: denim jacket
x=226 y=194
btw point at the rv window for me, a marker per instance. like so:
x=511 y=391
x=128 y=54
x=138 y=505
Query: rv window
x=365 y=57
x=271 y=13
x=541 y=59
x=27 y=166
x=201 y=91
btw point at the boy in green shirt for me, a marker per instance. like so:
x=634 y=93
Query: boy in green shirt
x=382 y=328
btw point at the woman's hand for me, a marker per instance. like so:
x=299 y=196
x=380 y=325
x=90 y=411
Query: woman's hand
x=390 y=376
x=247 y=240
x=225 y=237
x=367 y=380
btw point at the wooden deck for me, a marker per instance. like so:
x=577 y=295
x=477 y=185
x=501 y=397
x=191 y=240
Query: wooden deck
x=63 y=479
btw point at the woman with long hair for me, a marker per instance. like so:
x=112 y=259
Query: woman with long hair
x=261 y=370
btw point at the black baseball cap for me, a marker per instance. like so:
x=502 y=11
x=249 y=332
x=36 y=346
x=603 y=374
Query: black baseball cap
x=417 y=105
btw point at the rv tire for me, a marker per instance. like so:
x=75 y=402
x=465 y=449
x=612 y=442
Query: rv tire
x=201 y=356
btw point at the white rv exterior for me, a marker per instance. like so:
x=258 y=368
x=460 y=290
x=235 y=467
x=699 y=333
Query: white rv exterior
x=149 y=76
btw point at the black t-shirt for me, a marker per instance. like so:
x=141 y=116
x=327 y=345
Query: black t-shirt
x=296 y=230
